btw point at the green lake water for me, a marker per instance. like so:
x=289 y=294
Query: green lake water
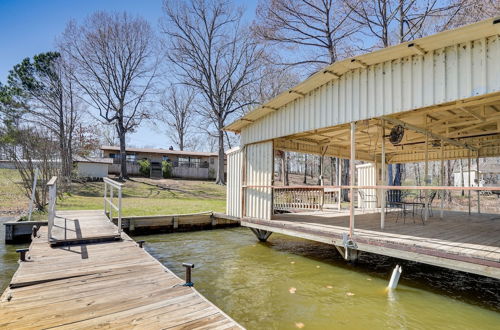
x=290 y=283
x=8 y=257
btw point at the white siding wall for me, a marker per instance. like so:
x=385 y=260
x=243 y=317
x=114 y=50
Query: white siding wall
x=234 y=182
x=413 y=82
x=92 y=170
x=259 y=171
x=367 y=176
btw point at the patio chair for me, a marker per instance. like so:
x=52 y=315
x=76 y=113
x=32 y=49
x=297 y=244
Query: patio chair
x=366 y=198
x=424 y=203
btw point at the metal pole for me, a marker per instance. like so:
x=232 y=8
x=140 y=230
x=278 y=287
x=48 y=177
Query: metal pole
x=352 y=181
x=441 y=181
x=383 y=165
x=468 y=170
x=478 y=183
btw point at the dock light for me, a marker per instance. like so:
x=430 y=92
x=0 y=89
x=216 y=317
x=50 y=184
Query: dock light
x=188 y=267
x=22 y=254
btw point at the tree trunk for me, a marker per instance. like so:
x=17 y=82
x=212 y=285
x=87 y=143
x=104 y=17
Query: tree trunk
x=123 y=153
x=220 y=161
x=462 y=176
x=305 y=169
x=320 y=170
x=345 y=180
x=286 y=168
x=333 y=171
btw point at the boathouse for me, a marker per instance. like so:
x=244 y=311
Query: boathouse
x=432 y=99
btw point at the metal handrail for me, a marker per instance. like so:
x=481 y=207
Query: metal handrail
x=113 y=184
x=52 y=184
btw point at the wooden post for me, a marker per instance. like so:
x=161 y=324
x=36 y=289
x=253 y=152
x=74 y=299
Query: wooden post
x=441 y=180
x=426 y=176
x=384 y=180
x=339 y=183
x=478 y=183
x=468 y=170
x=352 y=181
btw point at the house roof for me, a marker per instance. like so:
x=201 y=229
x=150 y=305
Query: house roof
x=334 y=71
x=162 y=151
x=94 y=160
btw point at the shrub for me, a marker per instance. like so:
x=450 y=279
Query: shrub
x=144 y=167
x=166 y=169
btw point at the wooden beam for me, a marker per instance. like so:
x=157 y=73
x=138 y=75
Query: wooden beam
x=419 y=50
x=472 y=113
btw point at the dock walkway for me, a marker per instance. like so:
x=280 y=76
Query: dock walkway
x=113 y=284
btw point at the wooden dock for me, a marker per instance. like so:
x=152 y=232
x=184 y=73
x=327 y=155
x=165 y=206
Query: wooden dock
x=111 y=283
x=469 y=243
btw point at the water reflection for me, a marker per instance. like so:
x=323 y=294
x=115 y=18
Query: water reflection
x=292 y=283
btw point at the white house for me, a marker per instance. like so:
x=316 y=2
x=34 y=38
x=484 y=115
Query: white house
x=91 y=167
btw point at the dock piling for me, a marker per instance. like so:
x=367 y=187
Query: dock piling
x=188 y=267
x=396 y=273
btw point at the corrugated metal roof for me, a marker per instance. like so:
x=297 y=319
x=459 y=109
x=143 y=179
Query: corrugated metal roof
x=475 y=31
x=163 y=151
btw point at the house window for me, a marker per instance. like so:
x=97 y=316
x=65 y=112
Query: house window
x=195 y=162
x=183 y=162
x=131 y=158
x=112 y=156
x=212 y=161
x=165 y=157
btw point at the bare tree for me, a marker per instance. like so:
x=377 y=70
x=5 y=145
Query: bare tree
x=48 y=90
x=215 y=55
x=471 y=11
x=116 y=63
x=177 y=110
x=32 y=148
x=388 y=22
x=318 y=29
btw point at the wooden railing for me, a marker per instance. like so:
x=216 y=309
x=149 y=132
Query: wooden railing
x=110 y=186
x=52 y=184
x=298 y=198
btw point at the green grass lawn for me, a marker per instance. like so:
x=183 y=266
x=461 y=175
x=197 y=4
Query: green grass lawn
x=140 y=196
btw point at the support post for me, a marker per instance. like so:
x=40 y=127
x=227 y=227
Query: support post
x=352 y=181
x=478 y=184
x=119 y=211
x=396 y=273
x=469 y=184
x=441 y=180
x=426 y=176
x=339 y=183
x=188 y=268
x=384 y=180
x=261 y=234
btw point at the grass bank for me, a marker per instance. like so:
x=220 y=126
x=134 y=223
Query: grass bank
x=140 y=196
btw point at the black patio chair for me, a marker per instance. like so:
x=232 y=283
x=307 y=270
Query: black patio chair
x=427 y=203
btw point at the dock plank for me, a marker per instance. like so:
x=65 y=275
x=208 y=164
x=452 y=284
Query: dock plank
x=111 y=284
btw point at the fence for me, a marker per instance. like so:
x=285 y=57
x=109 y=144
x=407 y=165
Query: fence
x=110 y=185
